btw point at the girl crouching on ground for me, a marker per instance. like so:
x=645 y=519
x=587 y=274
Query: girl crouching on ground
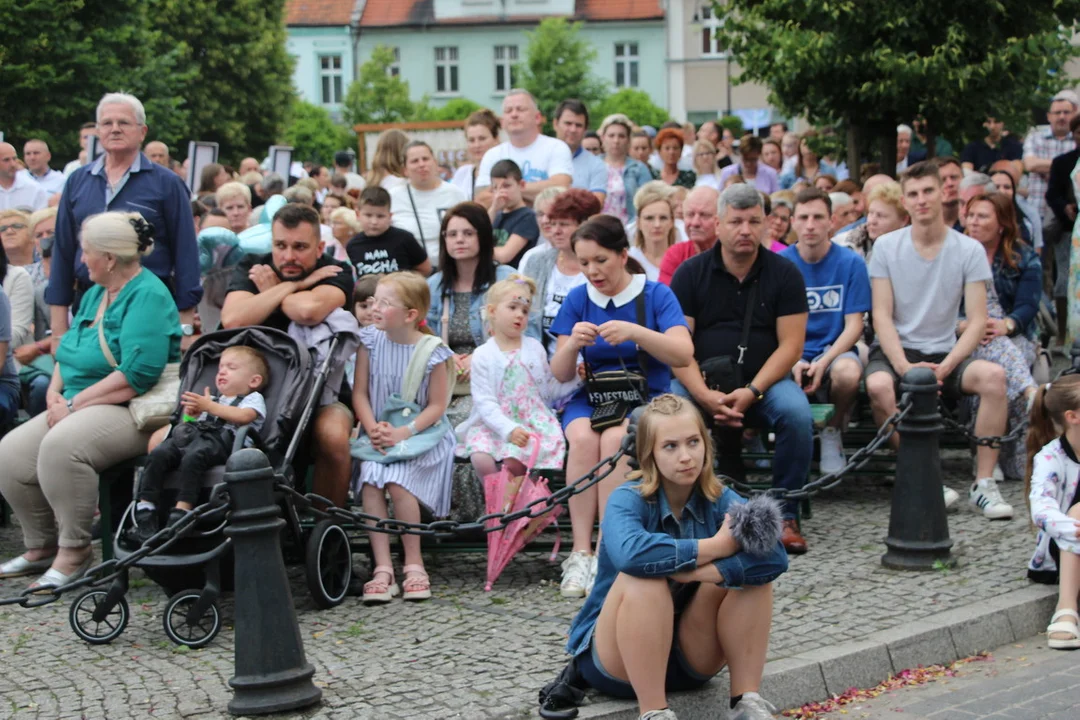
x=677 y=596
x=1053 y=471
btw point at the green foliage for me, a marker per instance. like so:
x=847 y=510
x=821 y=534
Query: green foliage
x=733 y=123
x=557 y=66
x=314 y=135
x=456 y=109
x=874 y=63
x=635 y=104
x=376 y=96
x=232 y=71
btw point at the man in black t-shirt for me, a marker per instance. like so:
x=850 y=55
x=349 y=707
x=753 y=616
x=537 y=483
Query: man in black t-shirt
x=297 y=283
x=713 y=288
x=380 y=249
x=979 y=155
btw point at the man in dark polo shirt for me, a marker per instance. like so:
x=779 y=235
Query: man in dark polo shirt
x=713 y=288
x=297 y=283
x=979 y=155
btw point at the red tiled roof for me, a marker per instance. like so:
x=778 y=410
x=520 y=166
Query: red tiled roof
x=392 y=13
x=318 y=12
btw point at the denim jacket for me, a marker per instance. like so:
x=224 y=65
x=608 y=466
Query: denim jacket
x=1019 y=289
x=643 y=538
x=477 y=314
x=635 y=174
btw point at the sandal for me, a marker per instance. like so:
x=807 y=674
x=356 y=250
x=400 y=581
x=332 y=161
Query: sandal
x=1066 y=628
x=417 y=584
x=19 y=566
x=378 y=592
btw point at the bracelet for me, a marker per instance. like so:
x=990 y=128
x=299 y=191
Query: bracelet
x=412 y=427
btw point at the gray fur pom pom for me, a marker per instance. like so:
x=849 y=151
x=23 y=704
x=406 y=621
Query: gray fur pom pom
x=756 y=524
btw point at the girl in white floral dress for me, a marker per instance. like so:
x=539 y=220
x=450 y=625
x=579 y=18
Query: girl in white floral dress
x=512 y=389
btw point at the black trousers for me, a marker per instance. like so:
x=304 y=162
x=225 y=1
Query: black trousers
x=193 y=449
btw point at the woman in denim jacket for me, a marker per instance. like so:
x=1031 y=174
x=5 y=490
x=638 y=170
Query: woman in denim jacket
x=677 y=596
x=625 y=174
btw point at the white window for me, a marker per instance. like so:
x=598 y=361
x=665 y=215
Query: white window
x=626 y=65
x=710 y=23
x=505 y=58
x=330 y=79
x=395 y=67
x=446 y=70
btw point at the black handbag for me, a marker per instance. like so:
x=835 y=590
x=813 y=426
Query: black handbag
x=724 y=373
x=613 y=394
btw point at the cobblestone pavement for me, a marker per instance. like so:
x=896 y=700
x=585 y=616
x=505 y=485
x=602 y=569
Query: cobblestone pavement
x=470 y=654
x=1025 y=681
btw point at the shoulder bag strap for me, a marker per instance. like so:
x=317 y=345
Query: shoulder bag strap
x=643 y=357
x=109 y=358
x=419 y=225
x=744 y=340
x=414 y=372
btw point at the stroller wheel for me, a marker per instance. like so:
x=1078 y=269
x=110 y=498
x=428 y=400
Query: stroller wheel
x=328 y=564
x=95 y=622
x=183 y=632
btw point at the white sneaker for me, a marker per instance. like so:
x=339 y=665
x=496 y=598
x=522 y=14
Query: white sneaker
x=665 y=714
x=832 y=451
x=575 y=575
x=997 y=474
x=594 y=563
x=951 y=496
x=753 y=707
x=986 y=496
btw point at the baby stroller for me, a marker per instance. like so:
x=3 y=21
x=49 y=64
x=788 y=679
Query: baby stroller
x=194 y=569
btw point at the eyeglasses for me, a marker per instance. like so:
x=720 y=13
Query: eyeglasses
x=12 y=226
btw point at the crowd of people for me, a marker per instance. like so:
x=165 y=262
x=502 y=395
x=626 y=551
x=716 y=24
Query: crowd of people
x=528 y=301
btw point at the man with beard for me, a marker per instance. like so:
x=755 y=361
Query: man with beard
x=296 y=282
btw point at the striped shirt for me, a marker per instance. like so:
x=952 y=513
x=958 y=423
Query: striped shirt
x=1042 y=144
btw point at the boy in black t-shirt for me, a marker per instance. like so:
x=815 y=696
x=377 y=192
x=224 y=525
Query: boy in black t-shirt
x=514 y=222
x=380 y=249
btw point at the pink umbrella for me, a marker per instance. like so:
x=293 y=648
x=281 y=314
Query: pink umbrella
x=500 y=491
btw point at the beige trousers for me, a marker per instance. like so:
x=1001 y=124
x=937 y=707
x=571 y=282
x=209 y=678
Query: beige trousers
x=49 y=476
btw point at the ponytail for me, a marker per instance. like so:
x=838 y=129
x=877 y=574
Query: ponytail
x=634 y=267
x=1047 y=419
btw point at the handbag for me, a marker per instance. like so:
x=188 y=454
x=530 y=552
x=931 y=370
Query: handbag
x=613 y=394
x=399 y=412
x=154 y=407
x=724 y=373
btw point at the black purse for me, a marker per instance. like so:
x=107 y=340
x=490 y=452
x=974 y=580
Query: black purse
x=613 y=394
x=724 y=373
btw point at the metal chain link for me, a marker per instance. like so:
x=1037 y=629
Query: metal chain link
x=110 y=569
x=990 y=441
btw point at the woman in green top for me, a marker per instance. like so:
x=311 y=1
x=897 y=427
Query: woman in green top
x=51 y=463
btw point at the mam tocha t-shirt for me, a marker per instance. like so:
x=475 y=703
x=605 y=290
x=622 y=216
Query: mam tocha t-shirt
x=927 y=293
x=395 y=250
x=542 y=160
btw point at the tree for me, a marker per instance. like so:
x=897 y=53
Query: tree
x=233 y=74
x=557 y=66
x=635 y=104
x=456 y=109
x=314 y=135
x=871 y=64
x=376 y=96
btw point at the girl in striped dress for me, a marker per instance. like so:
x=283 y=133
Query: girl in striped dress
x=401 y=304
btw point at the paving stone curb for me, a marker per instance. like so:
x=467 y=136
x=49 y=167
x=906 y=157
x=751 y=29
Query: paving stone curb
x=814 y=675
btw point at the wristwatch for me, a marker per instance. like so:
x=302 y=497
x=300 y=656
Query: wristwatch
x=187 y=330
x=758 y=395
x=71 y=405
x=1010 y=326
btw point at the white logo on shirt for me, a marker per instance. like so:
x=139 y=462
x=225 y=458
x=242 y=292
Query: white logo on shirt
x=828 y=298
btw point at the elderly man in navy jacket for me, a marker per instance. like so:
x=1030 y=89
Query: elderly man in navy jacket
x=123 y=179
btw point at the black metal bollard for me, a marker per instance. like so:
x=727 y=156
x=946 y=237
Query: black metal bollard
x=272 y=674
x=918 y=529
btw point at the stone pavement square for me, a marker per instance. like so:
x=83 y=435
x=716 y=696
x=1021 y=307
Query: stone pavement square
x=476 y=655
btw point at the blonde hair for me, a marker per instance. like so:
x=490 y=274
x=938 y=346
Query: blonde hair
x=251 y=178
x=346 y=216
x=651 y=192
x=703 y=145
x=40 y=216
x=18 y=215
x=616 y=119
x=548 y=194
x=514 y=283
x=299 y=194
x=656 y=412
x=114 y=233
x=231 y=191
x=1047 y=420
x=389 y=157
x=890 y=194
x=413 y=291
x=254 y=358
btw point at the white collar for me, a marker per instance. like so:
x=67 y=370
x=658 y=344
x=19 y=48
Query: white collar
x=631 y=291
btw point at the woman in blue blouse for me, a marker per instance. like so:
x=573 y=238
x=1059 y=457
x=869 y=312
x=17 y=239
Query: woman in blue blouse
x=599 y=322
x=51 y=463
x=677 y=597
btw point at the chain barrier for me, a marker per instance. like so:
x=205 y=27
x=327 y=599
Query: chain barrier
x=990 y=441
x=108 y=570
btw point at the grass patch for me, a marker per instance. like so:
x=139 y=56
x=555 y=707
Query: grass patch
x=499 y=601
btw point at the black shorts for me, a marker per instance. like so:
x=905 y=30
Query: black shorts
x=950 y=389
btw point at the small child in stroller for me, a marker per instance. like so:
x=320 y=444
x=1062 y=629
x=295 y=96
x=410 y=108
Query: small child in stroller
x=194 y=447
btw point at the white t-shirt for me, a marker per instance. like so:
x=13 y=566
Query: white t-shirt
x=254 y=400
x=542 y=160
x=927 y=293
x=390 y=182
x=558 y=287
x=463 y=180
x=652 y=272
x=354 y=181
x=422 y=214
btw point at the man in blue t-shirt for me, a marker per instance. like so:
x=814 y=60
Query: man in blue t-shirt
x=838 y=293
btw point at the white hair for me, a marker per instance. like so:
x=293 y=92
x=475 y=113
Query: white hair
x=839 y=200
x=123 y=99
x=739 y=197
x=978 y=179
x=113 y=233
x=902 y=129
x=523 y=91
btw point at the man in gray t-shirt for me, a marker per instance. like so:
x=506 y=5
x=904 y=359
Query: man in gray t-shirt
x=919 y=275
x=9 y=376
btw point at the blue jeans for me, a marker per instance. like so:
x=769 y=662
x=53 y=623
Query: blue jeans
x=785 y=410
x=9 y=404
x=38 y=389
